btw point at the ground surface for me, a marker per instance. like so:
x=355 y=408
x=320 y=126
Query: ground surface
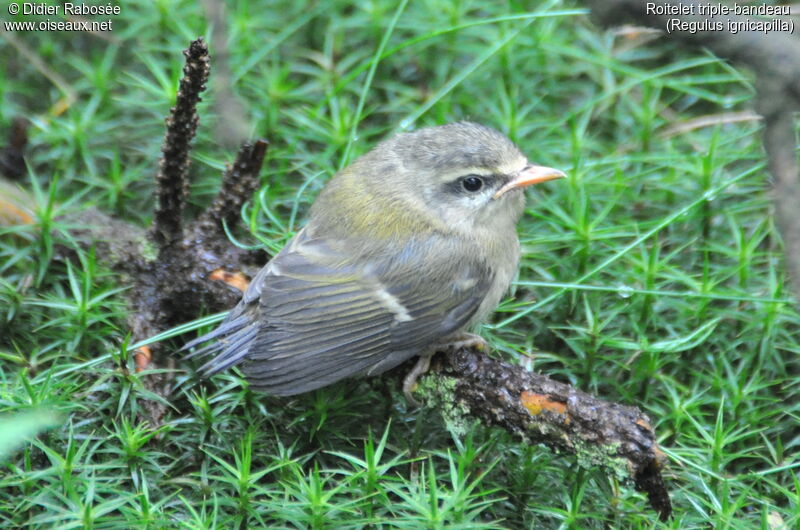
x=653 y=277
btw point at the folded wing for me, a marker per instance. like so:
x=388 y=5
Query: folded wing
x=314 y=315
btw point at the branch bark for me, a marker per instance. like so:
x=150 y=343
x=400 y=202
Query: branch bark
x=12 y=155
x=466 y=385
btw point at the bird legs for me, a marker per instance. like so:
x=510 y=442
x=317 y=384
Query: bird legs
x=449 y=344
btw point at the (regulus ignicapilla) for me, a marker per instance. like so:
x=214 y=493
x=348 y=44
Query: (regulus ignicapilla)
x=404 y=250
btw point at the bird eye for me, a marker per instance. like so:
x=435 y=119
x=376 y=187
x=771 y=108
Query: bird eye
x=472 y=183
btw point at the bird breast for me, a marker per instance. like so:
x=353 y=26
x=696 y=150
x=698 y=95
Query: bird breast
x=502 y=253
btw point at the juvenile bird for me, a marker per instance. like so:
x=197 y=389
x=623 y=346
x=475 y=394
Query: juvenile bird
x=404 y=250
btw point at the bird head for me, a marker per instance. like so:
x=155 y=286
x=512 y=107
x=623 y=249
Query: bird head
x=461 y=177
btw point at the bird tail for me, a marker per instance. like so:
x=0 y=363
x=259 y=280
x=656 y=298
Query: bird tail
x=231 y=343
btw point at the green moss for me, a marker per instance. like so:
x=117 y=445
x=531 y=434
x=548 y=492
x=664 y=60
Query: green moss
x=147 y=249
x=605 y=456
x=439 y=392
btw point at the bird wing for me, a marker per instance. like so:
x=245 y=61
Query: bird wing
x=313 y=316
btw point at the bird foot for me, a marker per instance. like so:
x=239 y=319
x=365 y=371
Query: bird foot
x=463 y=340
x=452 y=343
x=410 y=381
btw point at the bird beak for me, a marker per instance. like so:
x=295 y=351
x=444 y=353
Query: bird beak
x=530 y=175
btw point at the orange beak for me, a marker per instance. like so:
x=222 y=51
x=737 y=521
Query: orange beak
x=530 y=175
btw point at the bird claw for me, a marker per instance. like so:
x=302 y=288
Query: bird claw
x=452 y=343
x=463 y=340
x=410 y=381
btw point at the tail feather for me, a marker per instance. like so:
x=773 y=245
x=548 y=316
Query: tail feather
x=226 y=328
x=235 y=350
x=230 y=344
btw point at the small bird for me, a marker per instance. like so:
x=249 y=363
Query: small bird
x=404 y=250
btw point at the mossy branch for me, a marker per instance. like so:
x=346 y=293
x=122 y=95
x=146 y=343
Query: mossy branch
x=466 y=385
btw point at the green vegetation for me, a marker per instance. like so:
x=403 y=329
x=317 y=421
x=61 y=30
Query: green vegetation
x=653 y=276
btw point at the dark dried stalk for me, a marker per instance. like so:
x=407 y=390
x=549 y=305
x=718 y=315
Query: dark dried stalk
x=238 y=184
x=172 y=183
